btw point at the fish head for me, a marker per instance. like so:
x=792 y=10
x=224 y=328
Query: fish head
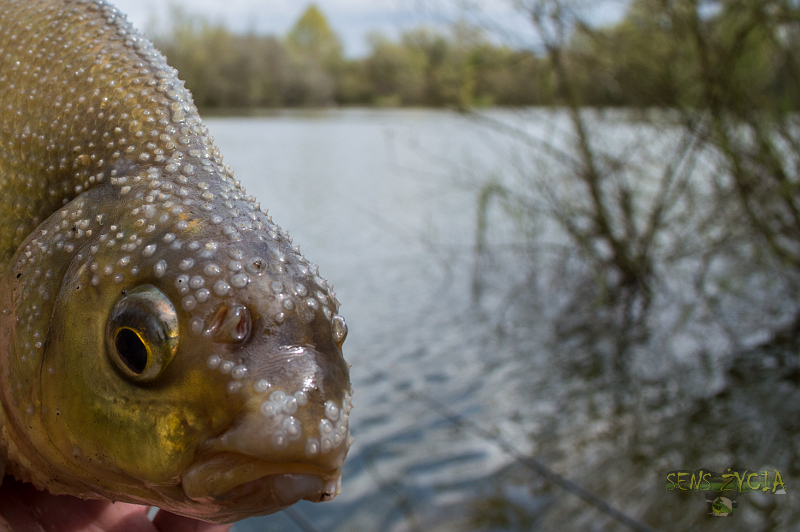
x=196 y=369
x=163 y=342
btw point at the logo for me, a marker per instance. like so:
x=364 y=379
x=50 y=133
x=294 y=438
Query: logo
x=721 y=507
x=722 y=490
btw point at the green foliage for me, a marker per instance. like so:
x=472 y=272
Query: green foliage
x=459 y=69
x=394 y=71
x=650 y=58
x=224 y=69
x=312 y=37
x=671 y=53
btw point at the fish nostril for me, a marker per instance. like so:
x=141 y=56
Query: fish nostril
x=231 y=325
x=217 y=321
x=241 y=324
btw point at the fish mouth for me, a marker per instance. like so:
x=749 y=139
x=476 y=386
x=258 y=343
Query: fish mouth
x=255 y=486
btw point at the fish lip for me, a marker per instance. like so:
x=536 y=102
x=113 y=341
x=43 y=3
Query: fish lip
x=237 y=480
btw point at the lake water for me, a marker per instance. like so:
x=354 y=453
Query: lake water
x=448 y=396
x=371 y=198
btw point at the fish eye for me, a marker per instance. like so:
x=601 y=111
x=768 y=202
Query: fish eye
x=142 y=334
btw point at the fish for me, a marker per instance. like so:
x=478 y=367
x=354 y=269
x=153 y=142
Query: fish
x=162 y=341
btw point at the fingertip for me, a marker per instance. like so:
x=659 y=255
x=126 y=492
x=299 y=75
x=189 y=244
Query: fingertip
x=168 y=522
x=23 y=508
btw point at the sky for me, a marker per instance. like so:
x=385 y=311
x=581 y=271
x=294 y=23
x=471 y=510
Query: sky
x=352 y=20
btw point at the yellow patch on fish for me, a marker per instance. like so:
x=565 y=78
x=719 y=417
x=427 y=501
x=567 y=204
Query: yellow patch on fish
x=161 y=341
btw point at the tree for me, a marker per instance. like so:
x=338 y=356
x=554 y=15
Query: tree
x=396 y=73
x=313 y=38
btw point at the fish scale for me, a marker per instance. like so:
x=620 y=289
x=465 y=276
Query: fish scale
x=162 y=340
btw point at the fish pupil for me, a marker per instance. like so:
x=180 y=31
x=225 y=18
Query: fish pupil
x=131 y=350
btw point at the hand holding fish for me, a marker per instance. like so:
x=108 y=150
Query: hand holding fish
x=26 y=508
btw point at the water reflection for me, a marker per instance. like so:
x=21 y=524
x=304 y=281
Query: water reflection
x=465 y=366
